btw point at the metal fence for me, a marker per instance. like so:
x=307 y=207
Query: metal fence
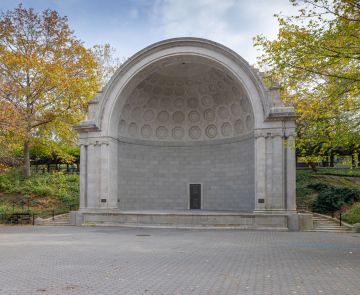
x=27 y=215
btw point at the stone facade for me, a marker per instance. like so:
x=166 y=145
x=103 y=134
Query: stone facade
x=185 y=111
x=153 y=177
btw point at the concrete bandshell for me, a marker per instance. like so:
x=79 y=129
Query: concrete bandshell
x=273 y=166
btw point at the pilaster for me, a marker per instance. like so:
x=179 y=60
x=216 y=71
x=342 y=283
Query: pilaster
x=83 y=176
x=270 y=172
x=290 y=171
x=260 y=171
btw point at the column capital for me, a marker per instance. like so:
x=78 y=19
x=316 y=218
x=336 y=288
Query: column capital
x=290 y=134
x=275 y=134
x=271 y=132
x=260 y=133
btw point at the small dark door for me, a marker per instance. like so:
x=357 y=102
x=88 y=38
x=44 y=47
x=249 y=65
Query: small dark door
x=195 y=196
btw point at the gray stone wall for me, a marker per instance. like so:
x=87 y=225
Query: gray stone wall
x=157 y=176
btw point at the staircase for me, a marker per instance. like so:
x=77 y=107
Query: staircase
x=63 y=220
x=323 y=224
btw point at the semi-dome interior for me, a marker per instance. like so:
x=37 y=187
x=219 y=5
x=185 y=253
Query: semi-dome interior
x=186 y=102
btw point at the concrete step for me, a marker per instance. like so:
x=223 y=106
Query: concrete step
x=56 y=221
x=51 y=224
x=323 y=224
x=331 y=228
x=59 y=220
x=330 y=231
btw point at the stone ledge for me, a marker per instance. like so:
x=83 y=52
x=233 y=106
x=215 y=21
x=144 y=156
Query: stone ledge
x=208 y=220
x=181 y=226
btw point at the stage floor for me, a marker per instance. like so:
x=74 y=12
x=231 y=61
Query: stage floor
x=186 y=218
x=185 y=212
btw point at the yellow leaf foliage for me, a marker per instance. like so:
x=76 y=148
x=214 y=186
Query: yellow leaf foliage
x=47 y=77
x=316 y=58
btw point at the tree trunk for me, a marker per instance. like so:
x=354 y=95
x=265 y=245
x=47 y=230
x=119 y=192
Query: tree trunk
x=332 y=158
x=352 y=160
x=27 y=159
x=313 y=166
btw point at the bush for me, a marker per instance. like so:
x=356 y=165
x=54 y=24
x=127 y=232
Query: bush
x=353 y=216
x=48 y=190
x=44 y=190
x=332 y=198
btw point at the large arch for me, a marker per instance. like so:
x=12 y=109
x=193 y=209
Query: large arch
x=187 y=111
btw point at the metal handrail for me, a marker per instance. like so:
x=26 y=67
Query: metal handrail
x=4 y=218
x=332 y=211
x=13 y=202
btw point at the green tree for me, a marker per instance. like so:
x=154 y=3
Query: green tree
x=316 y=58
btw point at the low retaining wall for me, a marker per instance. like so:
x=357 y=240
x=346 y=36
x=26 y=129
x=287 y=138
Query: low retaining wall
x=187 y=220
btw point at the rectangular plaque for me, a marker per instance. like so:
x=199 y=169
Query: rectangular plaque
x=261 y=200
x=103 y=200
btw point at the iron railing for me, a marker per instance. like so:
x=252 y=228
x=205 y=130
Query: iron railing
x=25 y=214
x=329 y=209
x=55 y=211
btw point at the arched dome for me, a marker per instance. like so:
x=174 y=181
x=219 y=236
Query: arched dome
x=186 y=102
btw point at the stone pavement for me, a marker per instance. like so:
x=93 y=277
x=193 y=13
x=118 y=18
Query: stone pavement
x=83 y=260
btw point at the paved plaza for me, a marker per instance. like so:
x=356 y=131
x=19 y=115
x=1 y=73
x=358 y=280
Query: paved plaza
x=94 y=260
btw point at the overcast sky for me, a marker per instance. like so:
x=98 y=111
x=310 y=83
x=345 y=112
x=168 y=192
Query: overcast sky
x=131 y=25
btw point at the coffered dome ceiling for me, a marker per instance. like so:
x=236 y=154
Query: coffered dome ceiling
x=186 y=102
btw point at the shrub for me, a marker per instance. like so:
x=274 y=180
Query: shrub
x=332 y=198
x=44 y=190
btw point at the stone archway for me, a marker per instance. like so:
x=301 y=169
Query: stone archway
x=185 y=111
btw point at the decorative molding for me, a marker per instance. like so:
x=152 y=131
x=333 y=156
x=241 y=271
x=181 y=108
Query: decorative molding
x=268 y=133
x=224 y=114
x=92 y=127
x=281 y=114
x=97 y=141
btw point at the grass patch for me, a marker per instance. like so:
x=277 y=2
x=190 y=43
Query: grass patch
x=303 y=192
x=353 y=216
x=355 y=172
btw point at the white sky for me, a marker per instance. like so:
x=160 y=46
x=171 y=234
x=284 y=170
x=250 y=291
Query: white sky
x=131 y=25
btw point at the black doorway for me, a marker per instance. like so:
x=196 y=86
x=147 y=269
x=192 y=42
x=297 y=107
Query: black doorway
x=195 y=196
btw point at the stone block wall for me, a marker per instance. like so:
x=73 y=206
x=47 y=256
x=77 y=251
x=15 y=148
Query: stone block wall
x=154 y=176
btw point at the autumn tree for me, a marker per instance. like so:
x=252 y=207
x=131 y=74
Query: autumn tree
x=316 y=58
x=11 y=135
x=46 y=77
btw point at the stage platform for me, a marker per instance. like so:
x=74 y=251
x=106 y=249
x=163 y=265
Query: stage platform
x=187 y=219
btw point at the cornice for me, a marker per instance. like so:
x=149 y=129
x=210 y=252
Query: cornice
x=97 y=141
